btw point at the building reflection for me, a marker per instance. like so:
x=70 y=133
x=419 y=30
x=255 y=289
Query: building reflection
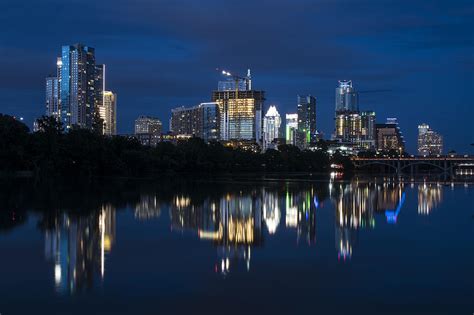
x=429 y=197
x=301 y=214
x=147 y=208
x=77 y=246
x=233 y=223
x=357 y=204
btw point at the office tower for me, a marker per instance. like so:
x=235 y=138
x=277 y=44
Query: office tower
x=368 y=129
x=148 y=130
x=52 y=97
x=347 y=120
x=389 y=136
x=271 y=126
x=240 y=114
x=240 y=110
x=108 y=113
x=307 y=117
x=348 y=127
x=198 y=121
x=291 y=128
x=429 y=141
x=346 y=97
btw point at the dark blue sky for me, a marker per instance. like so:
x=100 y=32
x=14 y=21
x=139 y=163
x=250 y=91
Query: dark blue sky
x=163 y=54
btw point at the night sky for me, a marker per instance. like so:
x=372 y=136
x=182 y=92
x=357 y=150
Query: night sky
x=163 y=54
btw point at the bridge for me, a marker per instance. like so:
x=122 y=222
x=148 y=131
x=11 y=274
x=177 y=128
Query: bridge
x=445 y=164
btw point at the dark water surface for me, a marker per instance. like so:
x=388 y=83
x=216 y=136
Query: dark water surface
x=230 y=247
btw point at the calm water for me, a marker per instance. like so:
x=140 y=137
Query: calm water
x=233 y=247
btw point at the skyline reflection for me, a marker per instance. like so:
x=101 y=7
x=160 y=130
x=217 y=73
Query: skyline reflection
x=233 y=221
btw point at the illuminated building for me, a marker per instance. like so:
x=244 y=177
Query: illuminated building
x=148 y=130
x=291 y=128
x=52 y=97
x=200 y=121
x=348 y=127
x=389 y=136
x=429 y=141
x=367 y=130
x=306 y=110
x=271 y=126
x=77 y=76
x=346 y=97
x=240 y=110
x=108 y=113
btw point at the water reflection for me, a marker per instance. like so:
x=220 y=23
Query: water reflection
x=234 y=220
x=77 y=247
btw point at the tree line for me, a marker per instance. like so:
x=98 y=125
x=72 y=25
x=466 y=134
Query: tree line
x=81 y=152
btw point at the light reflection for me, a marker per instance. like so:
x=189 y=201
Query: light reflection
x=234 y=222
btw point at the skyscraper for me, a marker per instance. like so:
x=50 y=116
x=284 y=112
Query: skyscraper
x=77 y=83
x=108 y=112
x=307 y=117
x=291 y=128
x=271 y=126
x=368 y=129
x=240 y=111
x=429 y=141
x=52 y=97
x=347 y=119
x=389 y=136
x=346 y=97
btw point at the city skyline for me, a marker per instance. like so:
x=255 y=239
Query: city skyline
x=411 y=50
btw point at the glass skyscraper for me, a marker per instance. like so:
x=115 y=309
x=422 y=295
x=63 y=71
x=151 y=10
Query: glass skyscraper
x=346 y=97
x=52 y=97
x=77 y=71
x=307 y=117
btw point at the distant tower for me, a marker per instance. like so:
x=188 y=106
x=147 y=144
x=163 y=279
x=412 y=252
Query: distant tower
x=52 y=97
x=108 y=112
x=271 y=126
x=307 y=117
x=346 y=97
x=240 y=109
x=429 y=141
x=77 y=85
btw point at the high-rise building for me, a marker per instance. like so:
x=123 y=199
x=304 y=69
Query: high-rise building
x=108 y=113
x=306 y=109
x=198 y=121
x=429 y=141
x=348 y=127
x=52 y=97
x=240 y=114
x=148 y=130
x=346 y=97
x=271 y=126
x=77 y=85
x=348 y=122
x=368 y=129
x=99 y=86
x=389 y=136
x=291 y=128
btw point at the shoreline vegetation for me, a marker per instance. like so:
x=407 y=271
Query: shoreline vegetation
x=52 y=152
